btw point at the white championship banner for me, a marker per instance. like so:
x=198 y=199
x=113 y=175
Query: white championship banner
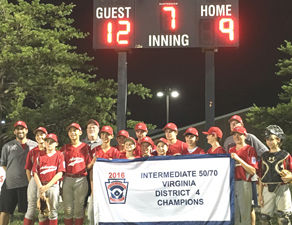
x=192 y=189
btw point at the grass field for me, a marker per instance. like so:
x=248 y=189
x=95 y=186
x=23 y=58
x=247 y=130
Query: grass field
x=17 y=219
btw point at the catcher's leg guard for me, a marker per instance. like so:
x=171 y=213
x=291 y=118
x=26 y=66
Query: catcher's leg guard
x=68 y=221
x=78 y=221
x=283 y=218
x=265 y=219
x=27 y=222
x=53 y=222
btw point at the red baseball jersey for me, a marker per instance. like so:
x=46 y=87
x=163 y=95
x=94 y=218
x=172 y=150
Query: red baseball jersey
x=219 y=150
x=247 y=154
x=197 y=150
x=137 y=150
x=179 y=147
x=76 y=159
x=31 y=157
x=48 y=166
x=112 y=153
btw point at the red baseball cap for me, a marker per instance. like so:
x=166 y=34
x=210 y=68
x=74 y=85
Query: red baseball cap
x=131 y=139
x=214 y=130
x=93 y=121
x=107 y=129
x=237 y=118
x=52 y=136
x=192 y=130
x=240 y=130
x=76 y=125
x=20 y=123
x=147 y=140
x=163 y=140
x=170 y=126
x=42 y=129
x=123 y=133
x=141 y=126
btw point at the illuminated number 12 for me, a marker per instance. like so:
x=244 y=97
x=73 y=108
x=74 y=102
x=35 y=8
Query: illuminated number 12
x=120 y=33
x=171 y=9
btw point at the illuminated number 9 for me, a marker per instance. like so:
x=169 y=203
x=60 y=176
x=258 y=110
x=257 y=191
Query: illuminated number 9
x=120 y=33
x=229 y=29
x=171 y=9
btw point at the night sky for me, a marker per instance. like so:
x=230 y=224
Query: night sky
x=244 y=75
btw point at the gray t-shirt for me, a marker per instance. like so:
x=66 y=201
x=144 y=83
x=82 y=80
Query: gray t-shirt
x=251 y=140
x=94 y=143
x=13 y=156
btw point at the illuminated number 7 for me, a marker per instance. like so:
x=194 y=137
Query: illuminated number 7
x=171 y=9
x=229 y=29
x=123 y=32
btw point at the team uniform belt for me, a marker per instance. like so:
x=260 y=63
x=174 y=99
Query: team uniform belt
x=74 y=175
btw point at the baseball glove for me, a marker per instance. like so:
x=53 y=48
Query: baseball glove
x=43 y=205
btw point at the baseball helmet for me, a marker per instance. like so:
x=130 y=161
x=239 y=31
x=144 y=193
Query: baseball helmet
x=276 y=130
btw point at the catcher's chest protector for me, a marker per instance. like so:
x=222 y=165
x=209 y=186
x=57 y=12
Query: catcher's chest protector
x=273 y=164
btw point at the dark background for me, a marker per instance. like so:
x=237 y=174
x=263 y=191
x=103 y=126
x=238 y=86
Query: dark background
x=244 y=75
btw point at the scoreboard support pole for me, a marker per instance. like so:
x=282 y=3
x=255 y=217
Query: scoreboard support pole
x=209 y=87
x=122 y=90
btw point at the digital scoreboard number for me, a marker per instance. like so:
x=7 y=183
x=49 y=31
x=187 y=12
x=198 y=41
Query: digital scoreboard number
x=125 y=24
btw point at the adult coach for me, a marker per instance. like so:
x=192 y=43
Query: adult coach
x=13 y=157
x=251 y=139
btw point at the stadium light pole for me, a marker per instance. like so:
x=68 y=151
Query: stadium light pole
x=167 y=93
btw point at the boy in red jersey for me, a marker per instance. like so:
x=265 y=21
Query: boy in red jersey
x=162 y=147
x=246 y=165
x=48 y=169
x=40 y=135
x=141 y=131
x=106 y=151
x=121 y=137
x=214 y=135
x=192 y=137
x=176 y=147
x=147 y=146
x=75 y=185
x=130 y=145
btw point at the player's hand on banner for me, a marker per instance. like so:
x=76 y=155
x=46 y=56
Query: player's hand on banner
x=235 y=156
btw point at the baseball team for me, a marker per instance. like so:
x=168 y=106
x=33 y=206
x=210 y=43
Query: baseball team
x=38 y=172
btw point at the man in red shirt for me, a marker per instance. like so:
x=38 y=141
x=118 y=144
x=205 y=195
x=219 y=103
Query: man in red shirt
x=176 y=147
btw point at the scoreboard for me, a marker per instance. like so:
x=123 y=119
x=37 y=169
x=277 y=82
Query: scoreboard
x=126 y=24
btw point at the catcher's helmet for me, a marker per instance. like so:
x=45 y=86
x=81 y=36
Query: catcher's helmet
x=276 y=130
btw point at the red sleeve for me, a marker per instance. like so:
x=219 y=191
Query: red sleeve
x=288 y=163
x=29 y=163
x=35 y=167
x=253 y=157
x=201 y=151
x=61 y=163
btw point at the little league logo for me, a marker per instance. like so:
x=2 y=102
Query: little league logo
x=117 y=190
